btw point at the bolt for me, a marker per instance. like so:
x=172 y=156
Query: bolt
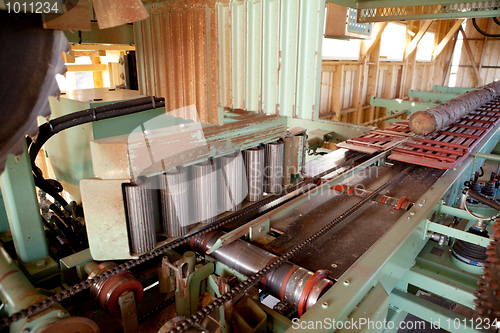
x=346 y=282
x=261 y=230
x=412 y=213
x=334 y=265
x=420 y=204
x=324 y=305
x=41 y=263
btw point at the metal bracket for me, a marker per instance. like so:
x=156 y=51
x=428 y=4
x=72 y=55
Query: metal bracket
x=432 y=97
x=398 y=105
x=126 y=301
x=453 y=90
x=254 y=229
x=456 y=233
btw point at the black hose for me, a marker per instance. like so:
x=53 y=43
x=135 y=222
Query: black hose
x=496 y=21
x=484 y=33
x=47 y=130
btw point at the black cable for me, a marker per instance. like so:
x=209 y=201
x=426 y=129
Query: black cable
x=484 y=33
x=47 y=130
x=496 y=21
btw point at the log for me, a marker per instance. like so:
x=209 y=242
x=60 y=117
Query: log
x=443 y=115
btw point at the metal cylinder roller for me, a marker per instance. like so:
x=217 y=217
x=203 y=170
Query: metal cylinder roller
x=273 y=167
x=204 y=192
x=174 y=202
x=290 y=283
x=254 y=167
x=140 y=217
x=108 y=291
x=230 y=185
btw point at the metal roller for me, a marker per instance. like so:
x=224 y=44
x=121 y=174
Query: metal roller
x=204 y=192
x=231 y=187
x=140 y=217
x=174 y=202
x=273 y=167
x=292 y=284
x=254 y=167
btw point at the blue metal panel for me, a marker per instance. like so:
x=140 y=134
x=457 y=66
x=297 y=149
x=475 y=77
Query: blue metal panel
x=21 y=203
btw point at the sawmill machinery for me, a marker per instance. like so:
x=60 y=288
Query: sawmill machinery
x=126 y=212
x=245 y=232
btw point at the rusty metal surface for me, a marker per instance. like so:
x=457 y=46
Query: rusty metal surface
x=177 y=57
x=254 y=55
x=112 y=13
x=29 y=60
x=341 y=247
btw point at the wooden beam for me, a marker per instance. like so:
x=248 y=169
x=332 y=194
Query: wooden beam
x=448 y=66
x=98 y=81
x=414 y=42
x=86 y=68
x=471 y=58
x=453 y=30
x=365 y=48
x=338 y=83
x=67 y=58
x=111 y=47
x=89 y=53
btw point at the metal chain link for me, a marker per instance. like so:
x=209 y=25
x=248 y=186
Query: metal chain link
x=79 y=287
x=252 y=280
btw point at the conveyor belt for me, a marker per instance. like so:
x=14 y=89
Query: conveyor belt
x=79 y=287
x=254 y=279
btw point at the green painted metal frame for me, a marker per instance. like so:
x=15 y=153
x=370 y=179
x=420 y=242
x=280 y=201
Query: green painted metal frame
x=21 y=203
x=433 y=313
x=397 y=105
x=434 y=272
x=432 y=97
x=453 y=90
x=339 y=131
x=457 y=234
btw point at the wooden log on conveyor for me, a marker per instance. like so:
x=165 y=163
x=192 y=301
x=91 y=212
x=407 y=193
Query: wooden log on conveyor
x=443 y=115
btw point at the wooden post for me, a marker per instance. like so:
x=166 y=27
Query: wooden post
x=338 y=78
x=98 y=82
x=479 y=82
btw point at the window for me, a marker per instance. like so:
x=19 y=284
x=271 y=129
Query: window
x=336 y=49
x=425 y=47
x=392 y=44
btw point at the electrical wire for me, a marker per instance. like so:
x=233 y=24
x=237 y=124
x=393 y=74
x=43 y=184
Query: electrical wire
x=482 y=32
x=52 y=127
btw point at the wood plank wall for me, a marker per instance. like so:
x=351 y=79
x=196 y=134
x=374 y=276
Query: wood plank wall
x=485 y=51
x=346 y=86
